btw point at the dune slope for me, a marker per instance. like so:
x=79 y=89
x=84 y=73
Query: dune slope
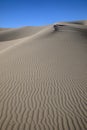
x=43 y=80
x=12 y=34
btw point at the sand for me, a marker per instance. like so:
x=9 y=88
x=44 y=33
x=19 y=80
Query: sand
x=43 y=78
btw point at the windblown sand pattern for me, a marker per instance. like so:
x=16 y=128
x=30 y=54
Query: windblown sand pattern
x=43 y=78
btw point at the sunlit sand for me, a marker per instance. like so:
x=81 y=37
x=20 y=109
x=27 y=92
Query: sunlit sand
x=43 y=77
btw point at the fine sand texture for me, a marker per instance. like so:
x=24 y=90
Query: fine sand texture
x=43 y=78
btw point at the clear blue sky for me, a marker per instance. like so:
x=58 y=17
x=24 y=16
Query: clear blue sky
x=17 y=13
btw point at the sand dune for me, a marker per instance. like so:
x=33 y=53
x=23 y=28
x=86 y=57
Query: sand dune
x=12 y=34
x=43 y=78
x=4 y=29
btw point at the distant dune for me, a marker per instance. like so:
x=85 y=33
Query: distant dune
x=4 y=29
x=12 y=34
x=43 y=77
x=80 y=22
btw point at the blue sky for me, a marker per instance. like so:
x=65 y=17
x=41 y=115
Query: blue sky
x=17 y=13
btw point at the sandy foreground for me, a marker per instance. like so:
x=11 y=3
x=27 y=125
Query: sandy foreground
x=43 y=78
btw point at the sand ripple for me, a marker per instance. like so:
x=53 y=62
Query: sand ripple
x=43 y=83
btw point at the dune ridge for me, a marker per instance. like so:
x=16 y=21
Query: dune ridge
x=43 y=78
x=11 y=34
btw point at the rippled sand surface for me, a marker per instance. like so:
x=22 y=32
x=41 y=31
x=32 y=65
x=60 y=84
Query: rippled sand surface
x=43 y=78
